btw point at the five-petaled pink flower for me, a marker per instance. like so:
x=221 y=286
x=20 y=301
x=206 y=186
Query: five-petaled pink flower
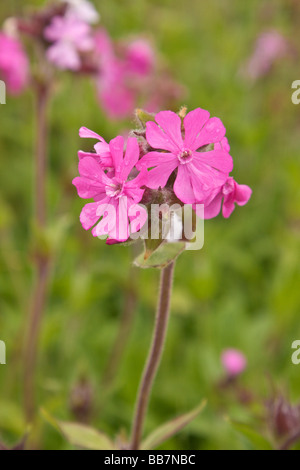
x=234 y=362
x=231 y=192
x=116 y=195
x=14 y=66
x=199 y=173
x=70 y=36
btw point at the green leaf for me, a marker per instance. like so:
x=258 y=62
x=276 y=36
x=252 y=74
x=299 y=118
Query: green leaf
x=143 y=117
x=151 y=246
x=171 y=428
x=254 y=439
x=160 y=258
x=80 y=435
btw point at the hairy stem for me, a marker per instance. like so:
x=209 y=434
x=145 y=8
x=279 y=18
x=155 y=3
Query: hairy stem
x=41 y=261
x=154 y=357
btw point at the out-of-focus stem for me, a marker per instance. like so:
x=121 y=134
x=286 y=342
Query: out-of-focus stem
x=121 y=340
x=154 y=357
x=42 y=262
x=120 y=343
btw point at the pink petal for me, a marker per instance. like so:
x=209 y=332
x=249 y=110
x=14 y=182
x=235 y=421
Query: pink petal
x=138 y=217
x=213 y=132
x=223 y=145
x=218 y=159
x=242 y=194
x=171 y=123
x=86 y=133
x=228 y=208
x=122 y=232
x=117 y=151
x=159 y=176
x=131 y=157
x=140 y=180
x=90 y=214
x=90 y=169
x=88 y=189
x=153 y=159
x=183 y=187
x=193 y=123
x=64 y=56
x=82 y=155
x=208 y=178
x=108 y=221
x=158 y=139
x=213 y=209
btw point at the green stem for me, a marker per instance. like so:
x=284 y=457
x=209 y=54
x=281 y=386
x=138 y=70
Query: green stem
x=42 y=263
x=154 y=357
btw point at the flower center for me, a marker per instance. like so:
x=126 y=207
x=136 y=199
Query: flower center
x=185 y=156
x=115 y=189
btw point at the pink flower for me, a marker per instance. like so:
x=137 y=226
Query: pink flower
x=140 y=58
x=116 y=196
x=230 y=193
x=70 y=37
x=83 y=10
x=270 y=46
x=199 y=173
x=102 y=152
x=234 y=362
x=115 y=95
x=14 y=66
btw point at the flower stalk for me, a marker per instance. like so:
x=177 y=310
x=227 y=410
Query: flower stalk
x=155 y=355
x=39 y=294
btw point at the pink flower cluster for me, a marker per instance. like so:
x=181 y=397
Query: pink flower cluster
x=70 y=36
x=106 y=177
x=190 y=156
x=126 y=73
x=270 y=46
x=14 y=67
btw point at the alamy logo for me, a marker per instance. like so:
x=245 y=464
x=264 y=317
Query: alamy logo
x=296 y=354
x=2 y=353
x=296 y=94
x=2 y=92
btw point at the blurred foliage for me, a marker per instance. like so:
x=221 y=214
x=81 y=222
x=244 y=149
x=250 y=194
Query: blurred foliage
x=241 y=290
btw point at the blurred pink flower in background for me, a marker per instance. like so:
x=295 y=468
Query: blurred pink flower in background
x=122 y=73
x=14 y=65
x=140 y=57
x=83 y=10
x=233 y=361
x=70 y=36
x=270 y=46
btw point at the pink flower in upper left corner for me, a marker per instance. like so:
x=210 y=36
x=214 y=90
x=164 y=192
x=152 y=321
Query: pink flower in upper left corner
x=70 y=36
x=14 y=65
x=116 y=195
x=199 y=173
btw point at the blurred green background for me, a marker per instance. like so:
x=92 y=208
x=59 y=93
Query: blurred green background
x=241 y=290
